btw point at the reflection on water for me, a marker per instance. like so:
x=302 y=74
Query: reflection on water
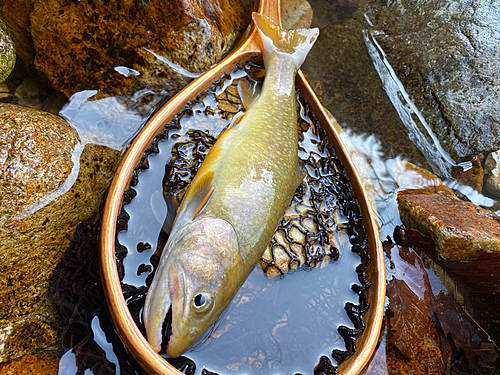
x=111 y=121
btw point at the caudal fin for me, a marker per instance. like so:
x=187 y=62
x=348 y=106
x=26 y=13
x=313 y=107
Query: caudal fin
x=296 y=43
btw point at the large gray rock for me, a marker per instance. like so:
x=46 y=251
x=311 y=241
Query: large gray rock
x=447 y=56
x=343 y=75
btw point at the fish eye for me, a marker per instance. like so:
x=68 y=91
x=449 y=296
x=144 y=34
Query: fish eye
x=201 y=301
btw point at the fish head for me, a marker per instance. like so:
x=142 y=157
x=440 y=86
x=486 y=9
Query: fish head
x=202 y=280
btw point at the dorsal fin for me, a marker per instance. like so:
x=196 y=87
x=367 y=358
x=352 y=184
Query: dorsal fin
x=195 y=200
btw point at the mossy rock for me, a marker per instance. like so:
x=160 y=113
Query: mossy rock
x=7 y=53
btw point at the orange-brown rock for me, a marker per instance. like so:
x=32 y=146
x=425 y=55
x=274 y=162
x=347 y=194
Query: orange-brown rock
x=461 y=230
x=44 y=363
x=472 y=177
x=427 y=361
x=410 y=342
x=40 y=204
x=78 y=45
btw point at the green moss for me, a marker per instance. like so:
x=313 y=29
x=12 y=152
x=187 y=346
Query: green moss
x=143 y=3
x=7 y=54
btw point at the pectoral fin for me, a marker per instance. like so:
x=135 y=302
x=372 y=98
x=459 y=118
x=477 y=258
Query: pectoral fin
x=196 y=199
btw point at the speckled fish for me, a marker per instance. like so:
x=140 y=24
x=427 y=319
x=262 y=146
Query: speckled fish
x=235 y=202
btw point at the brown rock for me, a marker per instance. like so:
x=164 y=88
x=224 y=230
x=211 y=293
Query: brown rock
x=427 y=361
x=30 y=336
x=461 y=230
x=7 y=53
x=44 y=363
x=296 y=14
x=78 y=45
x=472 y=177
x=38 y=209
x=410 y=342
x=408 y=313
x=35 y=157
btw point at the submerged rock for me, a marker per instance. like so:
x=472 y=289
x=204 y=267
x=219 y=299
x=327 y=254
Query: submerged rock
x=473 y=176
x=46 y=191
x=111 y=46
x=296 y=14
x=350 y=85
x=7 y=53
x=460 y=229
x=446 y=55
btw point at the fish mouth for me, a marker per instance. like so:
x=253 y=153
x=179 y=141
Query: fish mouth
x=177 y=291
x=166 y=330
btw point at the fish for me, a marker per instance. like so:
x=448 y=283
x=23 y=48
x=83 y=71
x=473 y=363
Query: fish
x=234 y=204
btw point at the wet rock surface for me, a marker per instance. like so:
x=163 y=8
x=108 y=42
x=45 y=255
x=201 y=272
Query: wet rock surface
x=36 y=160
x=45 y=363
x=460 y=229
x=343 y=75
x=7 y=53
x=296 y=14
x=426 y=331
x=94 y=38
x=467 y=292
x=446 y=56
x=473 y=177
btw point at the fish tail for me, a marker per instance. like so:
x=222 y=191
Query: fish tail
x=296 y=43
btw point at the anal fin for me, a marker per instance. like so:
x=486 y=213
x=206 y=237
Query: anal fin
x=172 y=206
x=249 y=92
